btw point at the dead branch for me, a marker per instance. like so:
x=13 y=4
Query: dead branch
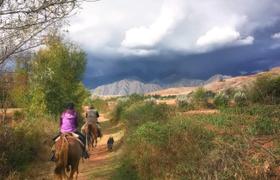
x=23 y=22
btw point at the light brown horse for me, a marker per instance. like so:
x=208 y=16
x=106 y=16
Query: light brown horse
x=90 y=131
x=68 y=152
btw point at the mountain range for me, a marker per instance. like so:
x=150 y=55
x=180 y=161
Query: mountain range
x=130 y=86
x=125 y=87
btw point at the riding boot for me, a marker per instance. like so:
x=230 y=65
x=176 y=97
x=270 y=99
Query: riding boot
x=52 y=156
x=99 y=132
x=85 y=153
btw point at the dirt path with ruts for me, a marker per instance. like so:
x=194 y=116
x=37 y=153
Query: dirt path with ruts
x=102 y=163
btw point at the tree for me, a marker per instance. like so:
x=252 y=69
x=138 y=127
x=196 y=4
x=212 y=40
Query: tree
x=23 y=23
x=22 y=69
x=56 y=77
x=6 y=83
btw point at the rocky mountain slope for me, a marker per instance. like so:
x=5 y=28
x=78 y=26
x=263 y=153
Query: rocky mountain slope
x=130 y=86
x=125 y=87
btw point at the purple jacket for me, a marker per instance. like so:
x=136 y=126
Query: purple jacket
x=68 y=121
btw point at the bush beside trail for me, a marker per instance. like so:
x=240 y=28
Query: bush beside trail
x=43 y=86
x=240 y=142
x=202 y=146
x=24 y=144
x=98 y=103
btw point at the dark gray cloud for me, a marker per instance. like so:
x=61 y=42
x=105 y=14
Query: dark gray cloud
x=228 y=61
x=176 y=38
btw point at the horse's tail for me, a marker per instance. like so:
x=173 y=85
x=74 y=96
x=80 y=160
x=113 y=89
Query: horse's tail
x=62 y=154
x=90 y=130
x=65 y=150
x=95 y=130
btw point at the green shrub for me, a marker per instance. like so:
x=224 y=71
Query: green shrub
x=230 y=92
x=200 y=98
x=168 y=97
x=184 y=106
x=150 y=100
x=240 y=98
x=18 y=115
x=266 y=89
x=18 y=148
x=117 y=112
x=169 y=150
x=23 y=144
x=221 y=100
x=136 y=98
x=142 y=112
x=100 y=104
x=124 y=103
x=156 y=96
x=184 y=102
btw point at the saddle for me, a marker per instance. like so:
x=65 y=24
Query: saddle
x=72 y=134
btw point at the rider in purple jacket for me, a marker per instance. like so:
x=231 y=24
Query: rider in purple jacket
x=68 y=121
x=69 y=124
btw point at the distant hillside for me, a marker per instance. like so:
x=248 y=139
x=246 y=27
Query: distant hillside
x=196 y=82
x=216 y=78
x=185 y=83
x=217 y=83
x=125 y=87
x=129 y=86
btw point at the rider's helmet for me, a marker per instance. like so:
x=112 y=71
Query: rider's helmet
x=70 y=106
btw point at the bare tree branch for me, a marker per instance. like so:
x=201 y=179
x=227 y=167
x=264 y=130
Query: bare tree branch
x=23 y=21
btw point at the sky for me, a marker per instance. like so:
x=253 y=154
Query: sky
x=155 y=40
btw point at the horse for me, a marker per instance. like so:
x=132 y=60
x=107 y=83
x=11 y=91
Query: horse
x=90 y=131
x=68 y=152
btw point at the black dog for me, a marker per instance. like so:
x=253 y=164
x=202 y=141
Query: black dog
x=110 y=143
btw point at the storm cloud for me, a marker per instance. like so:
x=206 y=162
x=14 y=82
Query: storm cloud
x=154 y=40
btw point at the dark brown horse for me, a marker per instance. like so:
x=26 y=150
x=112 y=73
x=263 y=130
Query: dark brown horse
x=68 y=152
x=90 y=131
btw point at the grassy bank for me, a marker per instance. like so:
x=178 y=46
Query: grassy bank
x=240 y=141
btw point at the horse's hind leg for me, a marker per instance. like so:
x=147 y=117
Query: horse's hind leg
x=95 y=140
x=76 y=169
x=72 y=173
x=77 y=172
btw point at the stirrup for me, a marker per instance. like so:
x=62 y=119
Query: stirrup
x=85 y=155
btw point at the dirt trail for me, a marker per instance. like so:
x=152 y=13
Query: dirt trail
x=102 y=163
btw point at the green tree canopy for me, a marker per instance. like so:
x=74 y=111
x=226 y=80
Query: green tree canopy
x=55 y=79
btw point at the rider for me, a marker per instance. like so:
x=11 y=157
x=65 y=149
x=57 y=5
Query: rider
x=92 y=116
x=69 y=124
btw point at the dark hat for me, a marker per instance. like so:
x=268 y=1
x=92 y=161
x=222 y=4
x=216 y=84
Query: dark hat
x=70 y=106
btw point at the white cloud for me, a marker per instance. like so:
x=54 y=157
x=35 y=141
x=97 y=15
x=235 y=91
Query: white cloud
x=149 y=36
x=137 y=52
x=276 y=36
x=127 y=27
x=222 y=36
x=246 y=41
